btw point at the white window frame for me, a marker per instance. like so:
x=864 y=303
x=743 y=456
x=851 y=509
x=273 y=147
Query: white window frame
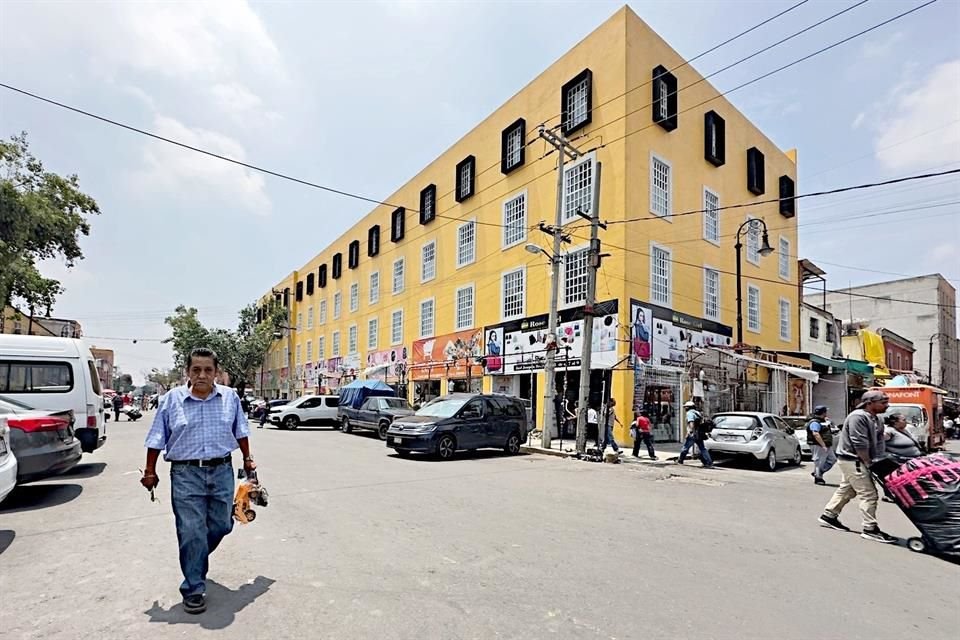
x=354 y=297
x=457 y=324
x=654 y=158
x=578 y=95
x=663 y=104
x=462 y=262
x=711 y=214
x=309 y=351
x=353 y=340
x=321 y=348
x=373 y=333
x=466 y=186
x=395 y=337
x=299 y=324
x=322 y=312
x=707 y=271
x=335 y=347
x=751 y=326
x=753 y=241
x=424 y=275
x=668 y=301
x=401 y=280
x=785 y=320
x=310 y=317
x=509 y=226
x=522 y=310
x=565 y=299
x=374 y=287
x=514 y=146
x=433 y=318
x=337 y=305
x=783 y=260
x=299 y=360
x=584 y=196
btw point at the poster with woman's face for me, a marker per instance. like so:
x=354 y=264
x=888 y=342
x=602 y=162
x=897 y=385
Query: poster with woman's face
x=640 y=325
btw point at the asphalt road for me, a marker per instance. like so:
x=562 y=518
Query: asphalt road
x=357 y=543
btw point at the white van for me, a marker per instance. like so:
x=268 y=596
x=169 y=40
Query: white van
x=55 y=374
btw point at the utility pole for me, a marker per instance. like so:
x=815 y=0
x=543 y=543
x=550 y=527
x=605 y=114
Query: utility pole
x=594 y=257
x=561 y=144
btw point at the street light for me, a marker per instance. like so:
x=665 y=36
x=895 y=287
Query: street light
x=765 y=250
x=930 y=356
x=533 y=248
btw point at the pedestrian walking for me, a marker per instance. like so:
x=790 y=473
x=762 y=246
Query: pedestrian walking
x=264 y=412
x=117 y=407
x=609 y=419
x=641 y=433
x=820 y=439
x=198 y=429
x=696 y=434
x=861 y=442
x=593 y=424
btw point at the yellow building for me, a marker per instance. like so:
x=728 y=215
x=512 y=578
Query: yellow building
x=446 y=278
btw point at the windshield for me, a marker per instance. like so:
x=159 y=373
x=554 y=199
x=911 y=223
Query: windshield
x=735 y=422
x=394 y=403
x=13 y=404
x=442 y=408
x=915 y=415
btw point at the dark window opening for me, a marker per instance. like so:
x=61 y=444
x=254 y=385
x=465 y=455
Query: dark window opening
x=428 y=204
x=466 y=173
x=353 y=254
x=755 y=173
x=398 y=223
x=310 y=284
x=286 y=297
x=714 y=138
x=576 y=102
x=322 y=276
x=788 y=203
x=513 y=146
x=300 y=291
x=665 y=104
x=373 y=240
x=337 y=269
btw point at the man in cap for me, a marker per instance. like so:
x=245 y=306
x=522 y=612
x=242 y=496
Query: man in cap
x=696 y=434
x=861 y=442
x=820 y=439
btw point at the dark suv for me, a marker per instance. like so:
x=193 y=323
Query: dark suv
x=461 y=421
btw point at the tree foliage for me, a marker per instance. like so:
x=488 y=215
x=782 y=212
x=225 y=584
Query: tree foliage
x=42 y=215
x=122 y=382
x=240 y=351
x=165 y=380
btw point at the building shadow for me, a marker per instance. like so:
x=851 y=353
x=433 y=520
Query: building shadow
x=39 y=496
x=223 y=604
x=89 y=470
x=6 y=539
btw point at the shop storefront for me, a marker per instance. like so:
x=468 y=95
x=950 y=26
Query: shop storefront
x=389 y=366
x=338 y=372
x=664 y=343
x=446 y=364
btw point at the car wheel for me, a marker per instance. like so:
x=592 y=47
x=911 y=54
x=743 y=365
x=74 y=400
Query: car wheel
x=797 y=458
x=446 y=447
x=771 y=464
x=345 y=425
x=291 y=422
x=513 y=444
x=382 y=430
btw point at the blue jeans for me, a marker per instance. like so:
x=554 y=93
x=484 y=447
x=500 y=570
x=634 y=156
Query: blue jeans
x=694 y=438
x=608 y=438
x=203 y=508
x=823 y=459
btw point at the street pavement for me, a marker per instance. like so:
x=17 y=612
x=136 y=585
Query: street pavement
x=357 y=543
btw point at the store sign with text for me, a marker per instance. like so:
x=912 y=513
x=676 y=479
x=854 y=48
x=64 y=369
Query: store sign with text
x=662 y=337
x=520 y=346
x=448 y=356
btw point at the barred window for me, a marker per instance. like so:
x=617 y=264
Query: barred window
x=513 y=294
x=374 y=287
x=337 y=305
x=753 y=308
x=784 y=258
x=466 y=243
x=373 y=333
x=575 y=277
x=660 y=185
x=336 y=344
x=711 y=294
x=515 y=220
x=464 y=308
x=785 y=319
x=352 y=340
x=354 y=297
x=711 y=216
x=398 y=273
x=396 y=327
x=753 y=242
x=660 y=268
x=428 y=261
x=426 y=318
x=578 y=187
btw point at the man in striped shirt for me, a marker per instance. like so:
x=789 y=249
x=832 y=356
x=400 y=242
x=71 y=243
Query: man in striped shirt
x=198 y=427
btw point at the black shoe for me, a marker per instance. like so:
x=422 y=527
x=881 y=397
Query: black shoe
x=832 y=522
x=819 y=481
x=195 y=604
x=654 y=458
x=679 y=460
x=879 y=536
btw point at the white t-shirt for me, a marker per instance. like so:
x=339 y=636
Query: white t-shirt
x=592 y=416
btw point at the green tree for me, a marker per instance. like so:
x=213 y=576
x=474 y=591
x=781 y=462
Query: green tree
x=122 y=382
x=165 y=380
x=42 y=215
x=240 y=352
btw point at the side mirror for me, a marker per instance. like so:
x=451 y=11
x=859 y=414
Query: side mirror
x=790 y=431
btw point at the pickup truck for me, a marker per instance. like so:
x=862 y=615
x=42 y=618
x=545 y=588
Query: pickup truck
x=376 y=413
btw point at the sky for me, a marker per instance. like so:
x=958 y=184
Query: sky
x=360 y=96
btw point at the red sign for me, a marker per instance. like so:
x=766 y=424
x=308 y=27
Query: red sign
x=448 y=356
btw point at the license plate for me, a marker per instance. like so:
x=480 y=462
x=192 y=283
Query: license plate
x=728 y=438
x=396 y=440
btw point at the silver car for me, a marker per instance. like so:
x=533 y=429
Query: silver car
x=764 y=436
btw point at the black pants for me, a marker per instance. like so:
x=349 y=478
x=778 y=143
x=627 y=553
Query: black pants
x=116 y=415
x=593 y=430
x=646 y=438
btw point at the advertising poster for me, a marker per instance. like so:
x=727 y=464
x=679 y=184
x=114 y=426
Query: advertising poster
x=447 y=356
x=382 y=365
x=661 y=336
x=520 y=346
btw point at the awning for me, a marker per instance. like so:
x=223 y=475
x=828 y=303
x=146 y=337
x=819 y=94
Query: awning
x=860 y=367
x=806 y=374
x=828 y=362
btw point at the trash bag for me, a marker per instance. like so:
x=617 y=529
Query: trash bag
x=927 y=490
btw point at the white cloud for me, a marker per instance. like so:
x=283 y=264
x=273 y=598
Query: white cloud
x=858 y=120
x=881 y=46
x=173 y=170
x=240 y=103
x=906 y=122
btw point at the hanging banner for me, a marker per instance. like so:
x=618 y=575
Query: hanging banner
x=520 y=346
x=661 y=336
x=447 y=356
x=310 y=374
x=386 y=365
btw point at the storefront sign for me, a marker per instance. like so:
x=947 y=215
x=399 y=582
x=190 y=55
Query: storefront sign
x=447 y=356
x=386 y=364
x=310 y=374
x=661 y=336
x=520 y=346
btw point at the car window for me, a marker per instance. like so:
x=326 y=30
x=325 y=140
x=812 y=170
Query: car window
x=394 y=403
x=474 y=408
x=332 y=401
x=734 y=422
x=496 y=406
x=35 y=377
x=769 y=423
x=311 y=403
x=441 y=408
x=781 y=424
x=94 y=378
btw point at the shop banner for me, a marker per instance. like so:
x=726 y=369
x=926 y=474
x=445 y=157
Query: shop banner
x=447 y=356
x=518 y=347
x=342 y=366
x=661 y=336
x=386 y=364
x=310 y=374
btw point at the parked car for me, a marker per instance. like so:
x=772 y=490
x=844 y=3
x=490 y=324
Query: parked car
x=8 y=461
x=43 y=441
x=55 y=374
x=376 y=414
x=306 y=411
x=799 y=425
x=763 y=436
x=461 y=421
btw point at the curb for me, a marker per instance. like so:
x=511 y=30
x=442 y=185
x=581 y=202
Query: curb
x=525 y=448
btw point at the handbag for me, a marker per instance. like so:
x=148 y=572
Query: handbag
x=494 y=363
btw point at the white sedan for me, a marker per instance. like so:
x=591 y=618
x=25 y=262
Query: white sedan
x=761 y=436
x=8 y=462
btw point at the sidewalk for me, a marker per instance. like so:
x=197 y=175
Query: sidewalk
x=667 y=452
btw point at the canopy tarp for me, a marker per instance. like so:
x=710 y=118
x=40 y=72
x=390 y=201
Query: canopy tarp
x=356 y=392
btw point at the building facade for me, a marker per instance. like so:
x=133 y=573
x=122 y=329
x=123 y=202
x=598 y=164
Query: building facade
x=899 y=352
x=420 y=294
x=922 y=310
x=105 y=367
x=15 y=321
